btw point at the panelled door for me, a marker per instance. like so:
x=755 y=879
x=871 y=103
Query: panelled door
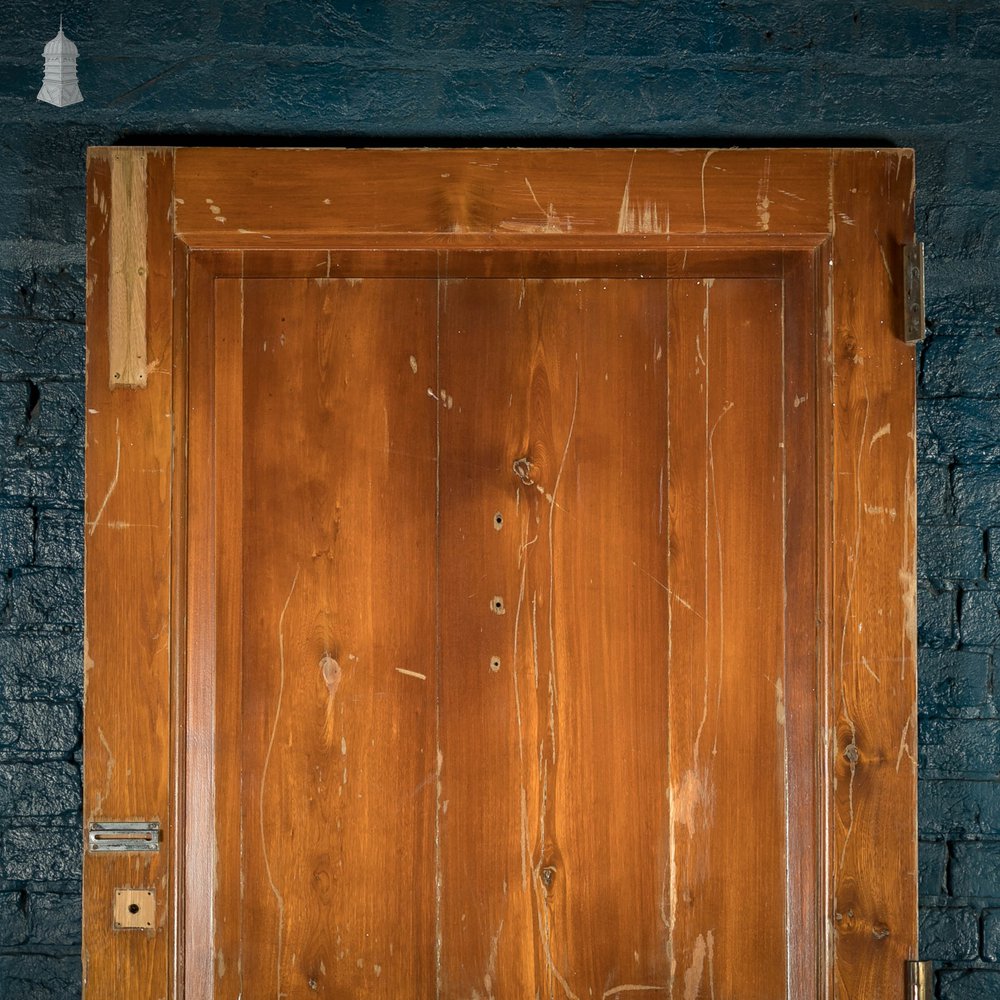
x=499 y=574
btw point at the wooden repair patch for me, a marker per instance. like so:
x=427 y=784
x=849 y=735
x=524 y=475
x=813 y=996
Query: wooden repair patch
x=128 y=269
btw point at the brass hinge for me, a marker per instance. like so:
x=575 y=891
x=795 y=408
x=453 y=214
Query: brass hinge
x=919 y=980
x=913 y=292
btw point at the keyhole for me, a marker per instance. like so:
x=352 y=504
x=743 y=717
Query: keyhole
x=133 y=907
x=496 y=606
x=498 y=520
x=494 y=663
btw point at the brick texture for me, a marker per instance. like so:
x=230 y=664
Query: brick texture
x=925 y=75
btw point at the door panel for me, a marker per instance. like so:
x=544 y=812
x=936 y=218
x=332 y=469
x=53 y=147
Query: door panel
x=727 y=678
x=495 y=580
x=507 y=655
x=559 y=413
x=336 y=587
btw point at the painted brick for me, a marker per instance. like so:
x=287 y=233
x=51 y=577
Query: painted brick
x=936 y=615
x=36 y=664
x=951 y=553
x=40 y=977
x=935 y=503
x=43 y=596
x=52 y=478
x=56 y=295
x=993 y=554
x=40 y=348
x=56 y=419
x=956 y=366
x=17 y=530
x=964 y=430
x=977 y=494
x=13 y=919
x=991 y=935
x=975 y=869
x=975 y=984
x=38 y=726
x=933 y=859
x=965 y=312
x=42 y=788
x=13 y=413
x=949 y=934
x=953 y=679
x=981 y=617
x=55 y=918
x=963 y=229
x=959 y=808
x=60 y=538
x=960 y=748
x=41 y=854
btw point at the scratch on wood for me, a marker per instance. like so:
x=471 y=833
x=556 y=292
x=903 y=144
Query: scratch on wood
x=411 y=673
x=517 y=706
x=852 y=756
x=630 y=988
x=623 y=211
x=114 y=479
x=659 y=583
x=885 y=260
x=278 y=898
x=552 y=557
x=704 y=207
x=491 y=967
x=721 y=575
x=763 y=201
x=880 y=433
x=103 y=796
x=904 y=747
x=695 y=971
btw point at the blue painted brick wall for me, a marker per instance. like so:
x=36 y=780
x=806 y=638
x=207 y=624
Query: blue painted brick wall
x=904 y=72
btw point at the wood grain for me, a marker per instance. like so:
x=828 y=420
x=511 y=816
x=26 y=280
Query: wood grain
x=556 y=196
x=127 y=645
x=329 y=577
x=873 y=622
x=728 y=749
x=553 y=742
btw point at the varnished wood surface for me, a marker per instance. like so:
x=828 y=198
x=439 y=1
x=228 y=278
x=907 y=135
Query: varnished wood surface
x=580 y=674
x=553 y=736
x=726 y=489
x=873 y=623
x=128 y=643
x=798 y=253
x=560 y=195
x=330 y=593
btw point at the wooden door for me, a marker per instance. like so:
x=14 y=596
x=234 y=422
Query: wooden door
x=500 y=573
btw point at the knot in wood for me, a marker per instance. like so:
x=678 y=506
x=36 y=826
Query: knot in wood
x=522 y=469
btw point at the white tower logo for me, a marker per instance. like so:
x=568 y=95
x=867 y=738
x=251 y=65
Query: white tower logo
x=59 y=86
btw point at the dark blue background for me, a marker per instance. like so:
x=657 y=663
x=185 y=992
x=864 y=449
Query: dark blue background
x=921 y=73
